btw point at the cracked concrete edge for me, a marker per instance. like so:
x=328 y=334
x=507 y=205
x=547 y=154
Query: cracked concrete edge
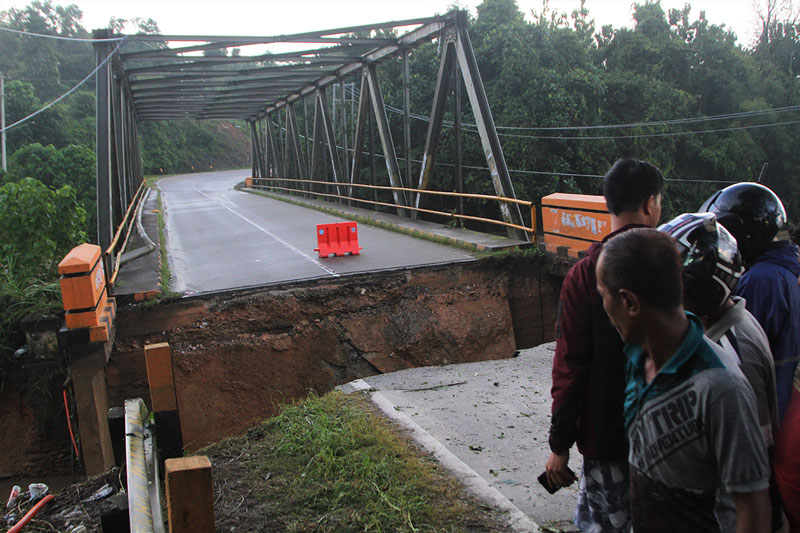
x=518 y=520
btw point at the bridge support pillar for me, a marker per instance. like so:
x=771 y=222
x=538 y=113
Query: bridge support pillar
x=86 y=339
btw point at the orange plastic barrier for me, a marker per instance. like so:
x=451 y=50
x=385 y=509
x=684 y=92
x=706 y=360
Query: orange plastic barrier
x=84 y=292
x=248 y=182
x=574 y=220
x=340 y=238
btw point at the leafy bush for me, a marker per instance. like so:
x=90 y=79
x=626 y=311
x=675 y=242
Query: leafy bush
x=73 y=165
x=39 y=225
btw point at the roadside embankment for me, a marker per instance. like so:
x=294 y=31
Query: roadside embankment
x=237 y=355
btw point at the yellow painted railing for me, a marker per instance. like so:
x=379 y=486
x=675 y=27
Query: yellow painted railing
x=529 y=205
x=126 y=226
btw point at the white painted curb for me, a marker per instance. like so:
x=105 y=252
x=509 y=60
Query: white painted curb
x=471 y=479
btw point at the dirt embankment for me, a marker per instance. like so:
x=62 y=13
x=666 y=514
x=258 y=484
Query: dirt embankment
x=237 y=355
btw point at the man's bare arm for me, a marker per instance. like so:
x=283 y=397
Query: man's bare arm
x=753 y=512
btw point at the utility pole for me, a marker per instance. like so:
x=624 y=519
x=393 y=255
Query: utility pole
x=3 y=118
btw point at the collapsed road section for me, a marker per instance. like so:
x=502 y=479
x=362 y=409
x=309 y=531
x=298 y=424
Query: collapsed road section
x=238 y=355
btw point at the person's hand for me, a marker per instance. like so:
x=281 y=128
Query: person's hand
x=558 y=472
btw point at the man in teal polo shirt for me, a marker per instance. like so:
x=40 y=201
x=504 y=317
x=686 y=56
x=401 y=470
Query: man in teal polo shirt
x=689 y=414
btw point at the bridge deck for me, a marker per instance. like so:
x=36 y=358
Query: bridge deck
x=219 y=238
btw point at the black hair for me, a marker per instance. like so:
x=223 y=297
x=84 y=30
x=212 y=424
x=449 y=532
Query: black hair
x=629 y=183
x=646 y=262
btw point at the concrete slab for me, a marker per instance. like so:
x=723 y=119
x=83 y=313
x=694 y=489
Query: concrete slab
x=492 y=416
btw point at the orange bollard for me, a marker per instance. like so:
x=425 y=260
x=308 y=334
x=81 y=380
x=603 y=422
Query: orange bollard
x=340 y=238
x=84 y=292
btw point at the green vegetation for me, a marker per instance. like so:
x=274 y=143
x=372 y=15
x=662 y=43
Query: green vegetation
x=166 y=274
x=47 y=196
x=556 y=70
x=333 y=464
x=39 y=226
x=547 y=75
x=21 y=294
x=57 y=146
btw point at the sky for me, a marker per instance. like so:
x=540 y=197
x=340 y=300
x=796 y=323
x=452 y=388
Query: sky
x=276 y=17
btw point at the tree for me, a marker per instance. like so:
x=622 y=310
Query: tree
x=39 y=224
x=45 y=128
x=36 y=161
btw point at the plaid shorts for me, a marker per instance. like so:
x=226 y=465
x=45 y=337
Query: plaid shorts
x=603 y=501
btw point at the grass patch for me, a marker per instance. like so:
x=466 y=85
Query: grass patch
x=332 y=463
x=21 y=293
x=166 y=274
x=528 y=252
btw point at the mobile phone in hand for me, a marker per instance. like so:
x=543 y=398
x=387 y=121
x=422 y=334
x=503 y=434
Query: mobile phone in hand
x=546 y=484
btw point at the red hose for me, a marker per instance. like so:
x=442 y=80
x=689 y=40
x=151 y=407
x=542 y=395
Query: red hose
x=27 y=518
x=69 y=425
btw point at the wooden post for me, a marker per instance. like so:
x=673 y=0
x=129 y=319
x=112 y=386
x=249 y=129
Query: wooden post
x=164 y=402
x=87 y=339
x=116 y=427
x=91 y=402
x=190 y=499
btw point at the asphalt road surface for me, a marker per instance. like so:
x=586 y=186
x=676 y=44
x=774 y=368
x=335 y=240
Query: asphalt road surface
x=220 y=238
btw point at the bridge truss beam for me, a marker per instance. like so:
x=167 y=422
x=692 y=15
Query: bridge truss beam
x=458 y=68
x=164 y=82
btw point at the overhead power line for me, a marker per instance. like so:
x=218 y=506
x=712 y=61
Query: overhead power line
x=643 y=135
x=62 y=38
x=74 y=88
x=689 y=120
x=519 y=171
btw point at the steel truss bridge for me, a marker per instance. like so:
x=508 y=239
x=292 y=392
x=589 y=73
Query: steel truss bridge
x=191 y=77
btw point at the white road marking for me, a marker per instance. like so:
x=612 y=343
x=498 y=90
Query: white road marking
x=254 y=224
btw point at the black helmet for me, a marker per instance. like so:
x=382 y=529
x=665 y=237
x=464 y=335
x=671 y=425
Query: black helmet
x=751 y=212
x=712 y=264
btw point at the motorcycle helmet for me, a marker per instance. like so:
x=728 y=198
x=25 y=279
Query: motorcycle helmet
x=752 y=213
x=712 y=264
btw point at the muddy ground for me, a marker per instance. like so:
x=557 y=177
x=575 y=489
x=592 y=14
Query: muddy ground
x=238 y=355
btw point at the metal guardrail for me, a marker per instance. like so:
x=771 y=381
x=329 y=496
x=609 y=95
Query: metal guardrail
x=530 y=205
x=141 y=460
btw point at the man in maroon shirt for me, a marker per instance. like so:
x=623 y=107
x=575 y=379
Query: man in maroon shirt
x=589 y=364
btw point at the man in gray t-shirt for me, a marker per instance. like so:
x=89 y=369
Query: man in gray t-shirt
x=691 y=421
